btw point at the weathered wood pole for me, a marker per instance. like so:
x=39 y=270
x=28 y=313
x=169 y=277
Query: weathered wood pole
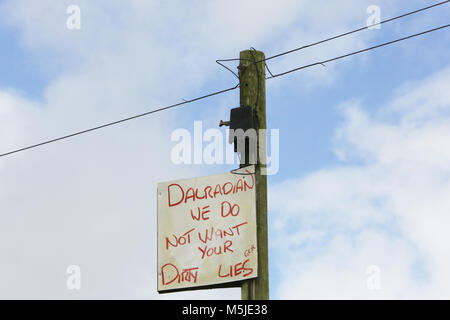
x=253 y=93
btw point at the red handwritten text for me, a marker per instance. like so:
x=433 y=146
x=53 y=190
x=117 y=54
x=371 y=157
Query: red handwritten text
x=227 y=209
x=181 y=240
x=237 y=269
x=214 y=234
x=217 y=250
x=177 y=194
x=170 y=274
x=201 y=214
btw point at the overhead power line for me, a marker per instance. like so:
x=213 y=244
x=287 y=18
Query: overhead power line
x=215 y=93
x=354 y=31
x=119 y=121
x=332 y=38
x=357 y=52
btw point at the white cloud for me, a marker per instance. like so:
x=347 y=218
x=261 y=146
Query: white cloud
x=12 y=110
x=390 y=210
x=90 y=201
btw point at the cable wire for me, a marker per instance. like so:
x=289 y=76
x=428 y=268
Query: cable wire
x=118 y=121
x=354 y=31
x=334 y=37
x=357 y=52
x=217 y=92
x=219 y=62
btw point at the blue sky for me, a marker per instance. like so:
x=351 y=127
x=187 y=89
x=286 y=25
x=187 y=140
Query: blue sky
x=20 y=69
x=362 y=142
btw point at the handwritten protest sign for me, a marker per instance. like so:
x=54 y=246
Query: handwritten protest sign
x=207 y=230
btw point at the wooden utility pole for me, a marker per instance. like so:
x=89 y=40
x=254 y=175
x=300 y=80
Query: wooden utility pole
x=253 y=93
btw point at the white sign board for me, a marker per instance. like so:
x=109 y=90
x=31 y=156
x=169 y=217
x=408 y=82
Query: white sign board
x=207 y=230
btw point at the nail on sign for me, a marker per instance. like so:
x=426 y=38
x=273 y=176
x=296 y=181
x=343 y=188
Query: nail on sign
x=207 y=230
